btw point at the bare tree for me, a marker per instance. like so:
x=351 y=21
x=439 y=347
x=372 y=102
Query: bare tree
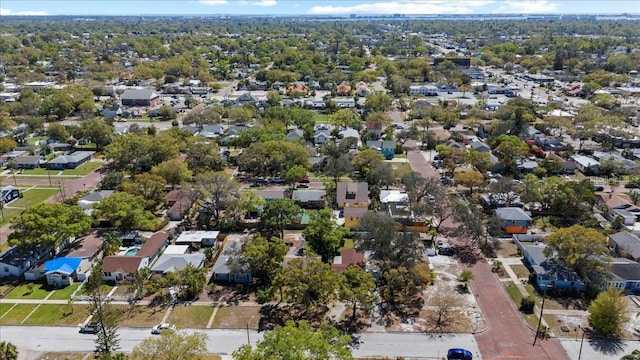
x=215 y=191
x=445 y=301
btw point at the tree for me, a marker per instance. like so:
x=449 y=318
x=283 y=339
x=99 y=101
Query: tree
x=391 y=249
x=378 y=102
x=345 y=118
x=299 y=341
x=172 y=345
x=366 y=161
x=174 y=171
x=58 y=132
x=7 y=144
x=338 y=166
x=277 y=214
x=240 y=115
x=125 y=212
x=273 y=157
x=110 y=244
x=203 y=156
x=509 y=151
x=264 y=257
x=294 y=174
x=323 y=235
x=445 y=301
x=403 y=285
x=190 y=280
x=608 y=313
x=307 y=282
x=357 y=287
x=107 y=340
x=96 y=131
x=8 y=351
x=150 y=187
x=48 y=225
x=166 y=113
x=215 y=191
x=464 y=278
x=378 y=118
x=582 y=249
x=470 y=179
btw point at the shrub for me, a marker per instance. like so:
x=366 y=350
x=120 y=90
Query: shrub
x=527 y=304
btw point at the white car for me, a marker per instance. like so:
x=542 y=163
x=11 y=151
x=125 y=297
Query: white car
x=161 y=327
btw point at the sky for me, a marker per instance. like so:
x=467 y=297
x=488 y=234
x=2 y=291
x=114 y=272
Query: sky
x=314 y=7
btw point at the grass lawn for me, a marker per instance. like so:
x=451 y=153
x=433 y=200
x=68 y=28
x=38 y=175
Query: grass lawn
x=190 y=316
x=64 y=293
x=106 y=288
x=514 y=293
x=32 y=197
x=532 y=320
x=401 y=169
x=22 y=292
x=348 y=244
x=36 y=139
x=237 y=317
x=520 y=270
x=38 y=171
x=4 y=308
x=321 y=118
x=141 y=316
x=17 y=314
x=65 y=356
x=83 y=169
x=58 y=314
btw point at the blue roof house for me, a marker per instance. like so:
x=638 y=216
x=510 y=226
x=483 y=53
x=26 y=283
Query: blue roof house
x=62 y=271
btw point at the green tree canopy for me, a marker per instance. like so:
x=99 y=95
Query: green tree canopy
x=172 y=345
x=125 y=212
x=583 y=249
x=265 y=257
x=277 y=214
x=323 y=235
x=307 y=282
x=299 y=341
x=608 y=313
x=48 y=225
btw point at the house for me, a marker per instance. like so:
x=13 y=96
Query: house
x=514 y=220
x=119 y=267
x=191 y=128
x=548 y=272
x=176 y=249
x=362 y=89
x=586 y=165
x=624 y=275
x=625 y=244
x=386 y=147
x=270 y=195
x=154 y=245
x=345 y=103
x=70 y=161
x=479 y=146
x=295 y=134
x=27 y=162
x=180 y=203
x=349 y=133
x=140 y=97
x=322 y=134
x=297 y=89
x=223 y=270
x=61 y=271
x=348 y=257
x=88 y=201
x=197 y=237
x=8 y=194
x=88 y=248
x=317 y=163
x=351 y=194
x=309 y=199
x=344 y=89
x=211 y=131
x=352 y=216
x=567 y=166
x=374 y=128
x=174 y=262
x=425 y=90
x=393 y=197
x=15 y=261
x=246 y=98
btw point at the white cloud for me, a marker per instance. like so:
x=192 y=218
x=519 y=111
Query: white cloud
x=263 y=3
x=213 y=2
x=403 y=7
x=7 y=12
x=526 y=7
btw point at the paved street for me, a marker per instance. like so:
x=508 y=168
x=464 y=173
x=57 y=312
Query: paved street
x=43 y=338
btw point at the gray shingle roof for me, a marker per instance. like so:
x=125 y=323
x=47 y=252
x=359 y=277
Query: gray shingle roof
x=627 y=242
x=72 y=158
x=138 y=94
x=512 y=213
x=172 y=262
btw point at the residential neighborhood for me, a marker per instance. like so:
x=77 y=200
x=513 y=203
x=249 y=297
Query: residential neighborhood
x=470 y=183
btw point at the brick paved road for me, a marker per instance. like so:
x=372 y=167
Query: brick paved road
x=507 y=335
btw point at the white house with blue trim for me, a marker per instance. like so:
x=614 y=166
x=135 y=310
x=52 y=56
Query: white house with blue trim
x=62 y=271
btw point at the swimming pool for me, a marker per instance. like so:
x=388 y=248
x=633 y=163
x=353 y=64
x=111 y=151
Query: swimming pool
x=131 y=251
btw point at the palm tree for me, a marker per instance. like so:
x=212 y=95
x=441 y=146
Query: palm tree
x=111 y=244
x=8 y=351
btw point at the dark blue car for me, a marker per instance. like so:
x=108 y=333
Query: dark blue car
x=459 y=354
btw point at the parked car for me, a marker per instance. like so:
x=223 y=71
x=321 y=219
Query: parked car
x=90 y=328
x=161 y=327
x=277 y=180
x=446 y=251
x=459 y=354
x=303 y=185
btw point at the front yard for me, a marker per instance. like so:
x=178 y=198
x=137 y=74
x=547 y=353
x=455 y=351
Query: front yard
x=30 y=197
x=29 y=291
x=141 y=316
x=58 y=314
x=83 y=169
x=237 y=317
x=17 y=314
x=190 y=316
x=64 y=293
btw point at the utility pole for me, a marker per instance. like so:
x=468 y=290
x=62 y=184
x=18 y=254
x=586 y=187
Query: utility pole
x=249 y=340
x=544 y=296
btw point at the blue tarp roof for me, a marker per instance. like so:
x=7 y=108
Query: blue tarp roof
x=62 y=264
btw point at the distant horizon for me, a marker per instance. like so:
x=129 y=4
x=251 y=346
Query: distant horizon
x=335 y=8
